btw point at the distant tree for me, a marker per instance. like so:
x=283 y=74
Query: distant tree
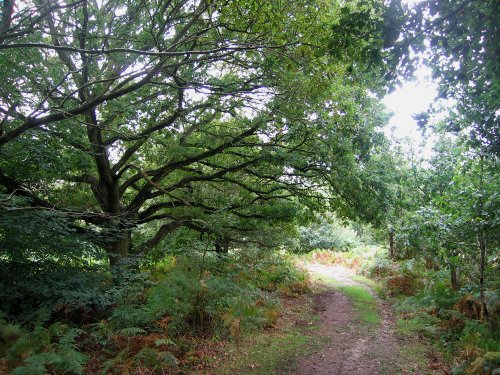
x=455 y=218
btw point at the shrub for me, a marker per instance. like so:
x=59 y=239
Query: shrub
x=381 y=267
x=469 y=307
x=46 y=350
x=34 y=291
x=328 y=235
x=403 y=284
x=172 y=297
x=213 y=293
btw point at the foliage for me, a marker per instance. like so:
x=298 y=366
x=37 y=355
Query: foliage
x=453 y=318
x=43 y=350
x=151 y=313
x=464 y=40
x=360 y=258
x=150 y=153
x=219 y=294
x=38 y=291
x=330 y=235
x=231 y=120
x=450 y=221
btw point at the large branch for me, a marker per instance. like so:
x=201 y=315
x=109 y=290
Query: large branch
x=15 y=188
x=212 y=176
x=31 y=123
x=60 y=48
x=160 y=235
x=158 y=174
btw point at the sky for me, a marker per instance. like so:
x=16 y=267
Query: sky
x=410 y=98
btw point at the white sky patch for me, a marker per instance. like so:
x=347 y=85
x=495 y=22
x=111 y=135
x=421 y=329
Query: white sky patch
x=411 y=98
x=120 y=11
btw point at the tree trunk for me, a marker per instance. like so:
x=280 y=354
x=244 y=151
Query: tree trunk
x=221 y=245
x=481 y=244
x=392 y=247
x=120 y=248
x=454 y=277
x=7 y=9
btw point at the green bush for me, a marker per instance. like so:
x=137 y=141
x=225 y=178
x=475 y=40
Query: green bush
x=213 y=292
x=172 y=296
x=34 y=292
x=330 y=233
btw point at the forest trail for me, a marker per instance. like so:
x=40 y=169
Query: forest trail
x=360 y=343
x=342 y=327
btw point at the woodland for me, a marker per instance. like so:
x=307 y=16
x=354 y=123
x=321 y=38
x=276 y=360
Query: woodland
x=166 y=164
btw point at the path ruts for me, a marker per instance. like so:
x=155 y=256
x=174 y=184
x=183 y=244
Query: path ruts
x=352 y=349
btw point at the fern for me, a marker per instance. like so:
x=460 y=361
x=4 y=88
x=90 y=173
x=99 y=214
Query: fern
x=130 y=331
x=68 y=362
x=51 y=349
x=117 y=361
x=9 y=333
x=165 y=342
x=36 y=369
x=147 y=357
x=168 y=359
x=29 y=344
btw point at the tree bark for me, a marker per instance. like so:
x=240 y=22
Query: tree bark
x=7 y=9
x=392 y=247
x=455 y=285
x=481 y=244
x=221 y=245
x=120 y=248
x=160 y=235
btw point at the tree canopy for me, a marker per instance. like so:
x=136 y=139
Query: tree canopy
x=229 y=118
x=463 y=52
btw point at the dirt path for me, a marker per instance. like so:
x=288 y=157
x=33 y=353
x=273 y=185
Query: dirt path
x=341 y=328
x=355 y=348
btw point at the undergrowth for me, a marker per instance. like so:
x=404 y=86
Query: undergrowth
x=165 y=315
x=452 y=319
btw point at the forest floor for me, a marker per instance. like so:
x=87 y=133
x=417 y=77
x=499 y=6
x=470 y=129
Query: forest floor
x=341 y=327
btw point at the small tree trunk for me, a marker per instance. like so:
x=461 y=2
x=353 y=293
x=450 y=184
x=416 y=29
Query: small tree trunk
x=481 y=244
x=454 y=277
x=121 y=247
x=221 y=245
x=392 y=248
x=7 y=9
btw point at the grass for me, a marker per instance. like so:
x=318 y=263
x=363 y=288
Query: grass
x=265 y=353
x=372 y=284
x=365 y=304
x=412 y=359
x=276 y=350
